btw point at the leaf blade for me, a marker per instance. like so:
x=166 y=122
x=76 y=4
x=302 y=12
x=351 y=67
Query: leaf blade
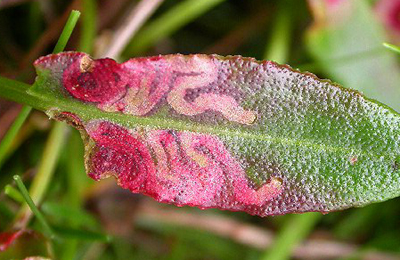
x=314 y=146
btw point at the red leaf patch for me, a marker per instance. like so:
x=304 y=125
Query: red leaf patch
x=174 y=167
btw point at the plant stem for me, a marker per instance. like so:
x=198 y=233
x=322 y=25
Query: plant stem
x=9 y=137
x=279 y=43
x=88 y=28
x=169 y=22
x=392 y=47
x=56 y=138
x=67 y=31
x=45 y=171
x=20 y=87
x=24 y=192
x=13 y=193
x=293 y=232
x=75 y=163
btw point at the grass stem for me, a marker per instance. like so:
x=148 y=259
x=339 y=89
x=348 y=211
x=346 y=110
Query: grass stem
x=54 y=142
x=88 y=27
x=11 y=134
x=45 y=171
x=293 y=232
x=24 y=192
x=392 y=47
x=13 y=193
x=279 y=43
x=67 y=31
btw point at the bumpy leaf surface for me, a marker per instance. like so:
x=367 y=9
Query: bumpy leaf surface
x=225 y=132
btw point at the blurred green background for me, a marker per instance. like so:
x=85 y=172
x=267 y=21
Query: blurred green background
x=336 y=39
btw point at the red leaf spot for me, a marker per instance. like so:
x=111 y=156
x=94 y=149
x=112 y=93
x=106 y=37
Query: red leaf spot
x=94 y=81
x=119 y=153
x=183 y=168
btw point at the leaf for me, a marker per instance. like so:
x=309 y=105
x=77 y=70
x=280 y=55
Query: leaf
x=225 y=132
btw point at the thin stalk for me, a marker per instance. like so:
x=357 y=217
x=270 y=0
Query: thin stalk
x=34 y=21
x=13 y=193
x=24 y=192
x=11 y=134
x=16 y=91
x=168 y=23
x=88 y=27
x=45 y=171
x=55 y=141
x=14 y=129
x=295 y=230
x=392 y=47
x=279 y=43
x=67 y=31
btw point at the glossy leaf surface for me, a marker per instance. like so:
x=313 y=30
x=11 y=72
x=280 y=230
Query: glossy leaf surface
x=230 y=133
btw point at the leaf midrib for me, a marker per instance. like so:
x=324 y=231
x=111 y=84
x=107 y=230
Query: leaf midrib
x=89 y=112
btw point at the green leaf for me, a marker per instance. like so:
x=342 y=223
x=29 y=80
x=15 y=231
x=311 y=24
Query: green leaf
x=224 y=132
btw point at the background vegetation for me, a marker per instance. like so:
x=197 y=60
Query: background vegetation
x=82 y=219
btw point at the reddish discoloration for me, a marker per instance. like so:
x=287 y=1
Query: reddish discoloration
x=389 y=13
x=182 y=168
x=120 y=153
x=7 y=238
x=353 y=160
x=95 y=81
x=69 y=118
x=139 y=85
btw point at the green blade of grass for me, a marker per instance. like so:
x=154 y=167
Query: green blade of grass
x=67 y=31
x=88 y=27
x=168 y=23
x=293 y=232
x=13 y=193
x=279 y=43
x=75 y=183
x=34 y=21
x=77 y=234
x=9 y=137
x=392 y=47
x=25 y=111
x=54 y=143
x=24 y=192
x=45 y=171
